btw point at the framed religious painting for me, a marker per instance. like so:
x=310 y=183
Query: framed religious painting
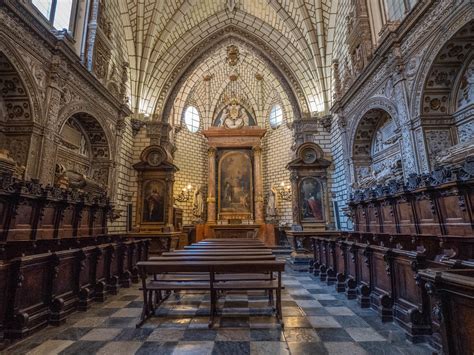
x=311 y=200
x=154 y=201
x=235 y=185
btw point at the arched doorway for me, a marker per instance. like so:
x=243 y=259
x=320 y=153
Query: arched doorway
x=447 y=106
x=83 y=158
x=376 y=150
x=16 y=121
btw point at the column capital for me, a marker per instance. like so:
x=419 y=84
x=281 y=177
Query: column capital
x=257 y=149
x=211 y=151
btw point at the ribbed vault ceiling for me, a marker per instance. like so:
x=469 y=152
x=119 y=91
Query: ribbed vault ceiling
x=163 y=38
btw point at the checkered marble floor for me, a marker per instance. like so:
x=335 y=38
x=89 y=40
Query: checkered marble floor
x=317 y=321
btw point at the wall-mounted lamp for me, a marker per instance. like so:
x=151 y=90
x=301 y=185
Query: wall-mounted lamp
x=185 y=194
x=284 y=191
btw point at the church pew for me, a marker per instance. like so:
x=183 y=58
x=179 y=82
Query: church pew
x=125 y=276
x=222 y=247
x=439 y=203
x=27 y=301
x=44 y=288
x=64 y=290
x=451 y=306
x=212 y=257
x=4 y=291
x=352 y=277
x=342 y=264
x=214 y=286
x=220 y=252
x=315 y=266
x=323 y=260
x=230 y=240
x=86 y=280
x=113 y=268
x=228 y=245
x=363 y=254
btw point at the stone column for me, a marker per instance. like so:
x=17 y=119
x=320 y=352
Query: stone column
x=294 y=197
x=169 y=185
x=258 y=185
x=211 y=191
x=50 y=139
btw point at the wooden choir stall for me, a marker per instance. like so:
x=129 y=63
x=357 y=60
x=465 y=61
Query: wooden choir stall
x=56 y=256
x=411 y=256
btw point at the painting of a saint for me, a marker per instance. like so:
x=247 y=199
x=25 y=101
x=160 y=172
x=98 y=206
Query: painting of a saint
x=235 y=182
x=311 y=198
x=154 y=202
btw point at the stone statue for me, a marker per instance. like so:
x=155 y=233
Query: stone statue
x=71 y=179
x=379 y=142
x=365 y=181
x=198 y=202
x=272 y=203
x=83 y=147
x=386 y=171
x=455 y=155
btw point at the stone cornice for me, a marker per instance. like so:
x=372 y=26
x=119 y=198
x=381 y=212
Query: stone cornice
x=382 y=51
x=60 y=45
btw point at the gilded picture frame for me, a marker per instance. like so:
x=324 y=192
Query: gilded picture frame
x=235 y=185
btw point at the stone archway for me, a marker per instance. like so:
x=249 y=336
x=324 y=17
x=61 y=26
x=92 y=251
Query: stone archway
x=84 y=154
x=16 y=117
x=446 y=120
x=375 y=149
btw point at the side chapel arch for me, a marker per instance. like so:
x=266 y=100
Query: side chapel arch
x=375 y=146
x=444 y=122
x=84 y=153
x=17 y=114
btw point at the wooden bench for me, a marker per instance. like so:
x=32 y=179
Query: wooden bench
x=198 y=257
x=216 y=252
x=231 y=240
x=222 y=247
x=214 y=281
x=228 y=243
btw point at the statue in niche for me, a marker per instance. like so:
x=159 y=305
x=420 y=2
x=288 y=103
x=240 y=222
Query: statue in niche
x=272 y=203
x=83 y=146
x=198 y=202
x=379 y=141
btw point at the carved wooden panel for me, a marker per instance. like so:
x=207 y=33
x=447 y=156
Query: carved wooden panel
x=47 y=221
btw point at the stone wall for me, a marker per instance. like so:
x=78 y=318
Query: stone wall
x=192 y=160
x=277 y=154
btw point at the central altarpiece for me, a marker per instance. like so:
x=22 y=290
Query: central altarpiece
x=235 y=206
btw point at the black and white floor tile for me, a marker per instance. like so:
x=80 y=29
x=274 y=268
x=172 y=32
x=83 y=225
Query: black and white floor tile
x=317 y=321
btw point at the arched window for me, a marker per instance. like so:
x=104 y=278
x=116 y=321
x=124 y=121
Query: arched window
x=276 y=116
x=192 y=119
x=60 y=13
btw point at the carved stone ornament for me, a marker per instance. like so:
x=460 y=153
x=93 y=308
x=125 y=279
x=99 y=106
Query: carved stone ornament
x=233 y=55
x=154 y=156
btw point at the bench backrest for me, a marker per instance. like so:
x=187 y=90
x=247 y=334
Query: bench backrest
x=211 y=257
x=256 y=266
x=199 y=247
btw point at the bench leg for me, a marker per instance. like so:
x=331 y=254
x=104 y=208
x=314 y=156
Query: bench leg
x=145 y=310
x=212 y=309
x=278 y=307
x=270 y=298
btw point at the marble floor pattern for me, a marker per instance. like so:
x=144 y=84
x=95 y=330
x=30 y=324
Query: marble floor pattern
x=317 y=321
